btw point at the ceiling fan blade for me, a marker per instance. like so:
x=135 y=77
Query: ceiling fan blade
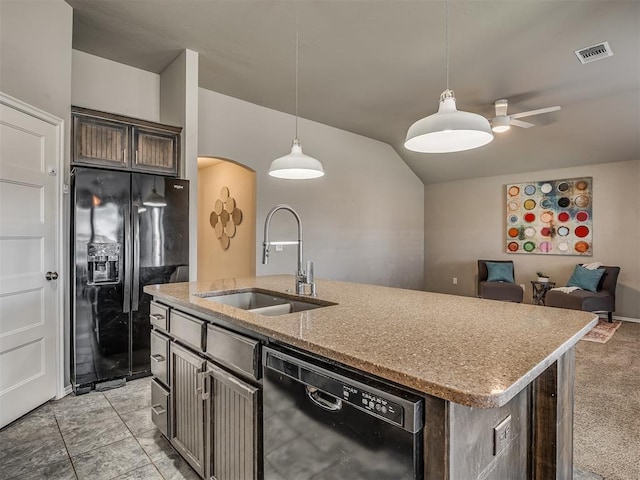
x=520 y=123
x=535 y=112
x=501 y=107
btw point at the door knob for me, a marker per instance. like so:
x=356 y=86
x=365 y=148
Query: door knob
x=51 y=276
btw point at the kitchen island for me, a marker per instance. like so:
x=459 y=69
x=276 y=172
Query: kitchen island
x=497 y=377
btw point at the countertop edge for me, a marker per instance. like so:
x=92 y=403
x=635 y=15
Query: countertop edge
x=504 y=397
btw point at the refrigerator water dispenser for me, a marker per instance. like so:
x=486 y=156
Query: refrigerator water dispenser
x=103 y=263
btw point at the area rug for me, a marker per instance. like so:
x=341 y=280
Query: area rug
x=602 y=332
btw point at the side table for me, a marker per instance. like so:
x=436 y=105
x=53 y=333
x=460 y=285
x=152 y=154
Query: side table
x=540 y=289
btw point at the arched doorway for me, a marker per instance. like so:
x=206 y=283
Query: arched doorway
x=226 y=220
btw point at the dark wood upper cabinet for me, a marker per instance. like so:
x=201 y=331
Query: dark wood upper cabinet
x=114 y=141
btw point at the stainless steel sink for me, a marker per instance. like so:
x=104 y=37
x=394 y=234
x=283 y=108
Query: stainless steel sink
x=264 y=302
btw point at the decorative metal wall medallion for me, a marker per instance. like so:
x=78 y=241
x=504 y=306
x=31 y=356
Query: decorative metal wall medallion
x=224 y=219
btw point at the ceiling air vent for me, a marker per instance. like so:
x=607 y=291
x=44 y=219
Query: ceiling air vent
x=594 y=52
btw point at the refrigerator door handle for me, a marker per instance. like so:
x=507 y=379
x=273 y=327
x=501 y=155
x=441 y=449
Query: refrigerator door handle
x=136 y=259
x=126 y=303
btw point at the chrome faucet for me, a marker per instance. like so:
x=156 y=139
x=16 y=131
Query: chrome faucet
x=303 y=278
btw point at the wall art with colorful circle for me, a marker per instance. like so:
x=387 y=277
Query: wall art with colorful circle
x=553 y=217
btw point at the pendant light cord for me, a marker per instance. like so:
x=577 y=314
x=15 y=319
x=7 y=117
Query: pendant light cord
x=297 y=55
x=446 y=30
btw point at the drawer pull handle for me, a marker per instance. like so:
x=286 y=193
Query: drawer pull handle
x=157 y=358
x=157 y=316
x=158 y=409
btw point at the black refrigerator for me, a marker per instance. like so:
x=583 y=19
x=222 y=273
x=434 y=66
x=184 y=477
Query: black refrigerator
x=128 y=230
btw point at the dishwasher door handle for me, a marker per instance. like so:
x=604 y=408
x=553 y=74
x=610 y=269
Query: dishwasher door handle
x=320 y=399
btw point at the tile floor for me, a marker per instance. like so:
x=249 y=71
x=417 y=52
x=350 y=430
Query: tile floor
x=98 y=436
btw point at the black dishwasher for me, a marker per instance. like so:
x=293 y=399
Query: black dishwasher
x=322 y=422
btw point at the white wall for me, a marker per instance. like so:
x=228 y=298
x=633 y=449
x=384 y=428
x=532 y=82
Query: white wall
x=35 y=67
x=464 y=221
x=113 y=87
x=35 y=53
x=179 y=106
x=363 y=221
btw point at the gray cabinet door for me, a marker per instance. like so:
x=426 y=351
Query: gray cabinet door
x=155 y=151
x=234 y=422
x=188 y=406
x=100 y=142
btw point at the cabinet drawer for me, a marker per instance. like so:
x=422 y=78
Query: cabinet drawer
x=187 y=329
x=239 y=353
x=159 y=315
x=160 y=407
x=160 y=356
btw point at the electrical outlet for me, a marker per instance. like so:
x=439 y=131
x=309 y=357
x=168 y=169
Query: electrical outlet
x=502 y=434
x=455 y=280
x=279 y=248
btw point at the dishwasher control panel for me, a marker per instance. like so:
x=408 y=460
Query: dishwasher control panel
x=373 y=403
x=385 y=402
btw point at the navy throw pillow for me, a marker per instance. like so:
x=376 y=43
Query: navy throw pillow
x=499 y=272
x=586 y=279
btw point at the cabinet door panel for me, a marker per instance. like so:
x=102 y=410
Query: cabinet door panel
x=155 y=151
x=234 y=427
x=188 y=412
x=100 y=142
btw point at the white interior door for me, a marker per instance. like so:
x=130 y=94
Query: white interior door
x=29 y=303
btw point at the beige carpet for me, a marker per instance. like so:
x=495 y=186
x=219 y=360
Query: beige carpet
x=602 y=332
x=607 y=405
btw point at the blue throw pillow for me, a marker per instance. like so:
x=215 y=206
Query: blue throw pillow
x=586 y=279
x=499 y=272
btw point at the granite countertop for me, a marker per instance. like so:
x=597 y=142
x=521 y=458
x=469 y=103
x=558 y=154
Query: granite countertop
x=475 y=352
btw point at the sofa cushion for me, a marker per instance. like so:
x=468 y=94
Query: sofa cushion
x=585 y=279
x=581 y=300
x=500 y=272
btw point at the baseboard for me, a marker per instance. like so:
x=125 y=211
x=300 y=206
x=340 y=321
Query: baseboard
x=626 y=319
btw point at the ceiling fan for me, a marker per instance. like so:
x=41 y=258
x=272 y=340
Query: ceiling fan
x=503 y=122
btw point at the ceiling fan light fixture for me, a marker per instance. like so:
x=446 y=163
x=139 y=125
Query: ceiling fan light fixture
x=501 y=123
x=448 y=130
x=296 y=165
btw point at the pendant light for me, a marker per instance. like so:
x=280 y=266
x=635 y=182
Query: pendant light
x=296 y=165
x=448 y=130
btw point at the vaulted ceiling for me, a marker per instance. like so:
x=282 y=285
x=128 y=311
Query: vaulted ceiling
x=373 y=67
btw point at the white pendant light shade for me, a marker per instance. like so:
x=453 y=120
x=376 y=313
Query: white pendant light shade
x=296 y=165
x=448 y=130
